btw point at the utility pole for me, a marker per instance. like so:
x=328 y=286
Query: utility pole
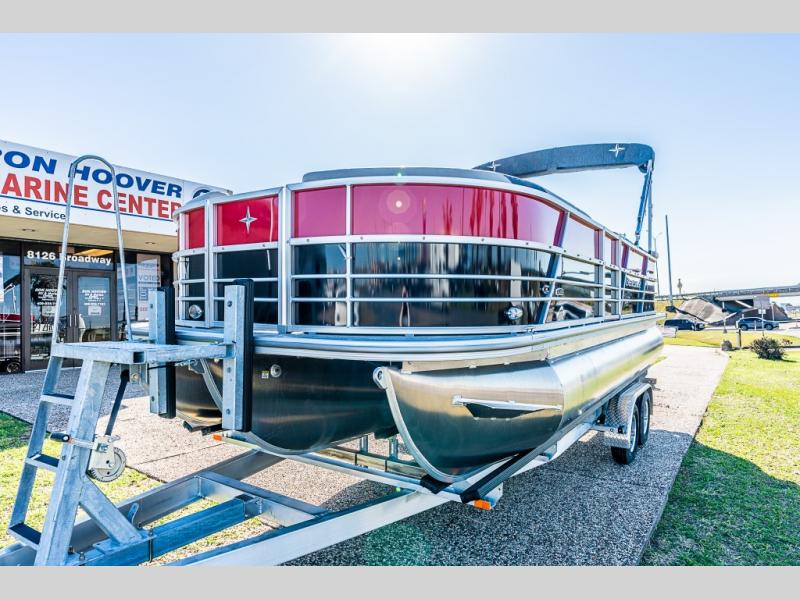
x=658 y=277
x=669 y=261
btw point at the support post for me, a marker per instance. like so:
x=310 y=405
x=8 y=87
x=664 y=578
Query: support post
x=237 y=376
x=161 y=379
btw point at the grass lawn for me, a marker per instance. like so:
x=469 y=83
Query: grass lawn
x=13 y=444
x=714 y=338
x=736 y=500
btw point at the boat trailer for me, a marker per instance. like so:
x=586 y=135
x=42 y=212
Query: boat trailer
x=123 y=534
x=129 y=533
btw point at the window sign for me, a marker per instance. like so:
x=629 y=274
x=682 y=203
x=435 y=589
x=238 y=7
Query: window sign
x=147 y=278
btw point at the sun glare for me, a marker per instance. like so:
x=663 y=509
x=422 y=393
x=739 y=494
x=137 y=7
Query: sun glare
x=399 y=56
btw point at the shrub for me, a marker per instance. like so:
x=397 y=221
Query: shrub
x=767 y=348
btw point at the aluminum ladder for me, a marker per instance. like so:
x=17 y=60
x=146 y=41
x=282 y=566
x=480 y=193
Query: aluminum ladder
x=81 y=447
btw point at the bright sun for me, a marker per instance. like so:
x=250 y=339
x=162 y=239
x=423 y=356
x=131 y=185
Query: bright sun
x=399 y=55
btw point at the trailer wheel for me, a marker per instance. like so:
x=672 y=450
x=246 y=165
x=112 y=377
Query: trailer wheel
x=645 y=412
x=626 y=455
x=13 y=367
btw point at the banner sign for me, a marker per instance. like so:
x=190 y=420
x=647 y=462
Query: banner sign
x=33 y=184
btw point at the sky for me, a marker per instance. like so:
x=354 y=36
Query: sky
x=247 y=112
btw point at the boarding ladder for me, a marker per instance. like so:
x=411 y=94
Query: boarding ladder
x=86 y=455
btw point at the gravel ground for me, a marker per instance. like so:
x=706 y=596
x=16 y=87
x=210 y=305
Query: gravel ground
x=581 y=509
x=19 y=394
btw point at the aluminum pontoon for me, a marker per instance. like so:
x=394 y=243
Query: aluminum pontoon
x=478 y=321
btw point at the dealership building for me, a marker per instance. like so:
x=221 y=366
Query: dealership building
x=33 y=194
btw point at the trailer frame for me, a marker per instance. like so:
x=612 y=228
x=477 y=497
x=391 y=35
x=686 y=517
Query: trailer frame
x=300 y=528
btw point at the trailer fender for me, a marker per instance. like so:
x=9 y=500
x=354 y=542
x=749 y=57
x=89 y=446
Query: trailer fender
x=619 y=415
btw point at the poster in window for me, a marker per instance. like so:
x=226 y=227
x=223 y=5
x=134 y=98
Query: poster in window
x=147 y=278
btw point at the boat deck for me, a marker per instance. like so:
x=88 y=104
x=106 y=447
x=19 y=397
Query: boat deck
x=553 y=341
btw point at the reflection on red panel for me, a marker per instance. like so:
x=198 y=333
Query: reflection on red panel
x=320 y=212
x=254 y=220
x=195 y=223
x=451 y=210
x=611 y=251
x=580 y=239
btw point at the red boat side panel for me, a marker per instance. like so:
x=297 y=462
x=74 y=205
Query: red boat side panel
x=580 y=239
x=195 y=223
x=451 y=210
x=320 y=212
x=253 y=220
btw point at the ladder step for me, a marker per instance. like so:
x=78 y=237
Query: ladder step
x=62 y=399
x=40 y=460
x=26 y=535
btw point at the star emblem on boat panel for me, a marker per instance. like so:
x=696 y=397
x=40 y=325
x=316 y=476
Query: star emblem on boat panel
x=248 y=220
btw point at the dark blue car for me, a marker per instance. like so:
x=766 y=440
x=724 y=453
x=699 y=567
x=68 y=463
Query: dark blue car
x=684 y=324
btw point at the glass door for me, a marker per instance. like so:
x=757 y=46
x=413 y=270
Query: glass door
x=92 y=307
x=41 y=284
x=87 y=311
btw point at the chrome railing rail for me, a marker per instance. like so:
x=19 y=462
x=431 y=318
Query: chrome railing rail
x=65 y=242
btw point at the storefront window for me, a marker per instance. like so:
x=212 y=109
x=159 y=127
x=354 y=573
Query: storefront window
x=10 y=308
x=144 y=272
x=87 y=307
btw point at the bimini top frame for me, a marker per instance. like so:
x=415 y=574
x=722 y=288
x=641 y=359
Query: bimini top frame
x=587 y=157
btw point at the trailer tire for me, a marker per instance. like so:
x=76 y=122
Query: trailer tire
x=13 y=367
x=626 y=455
x=645 y=416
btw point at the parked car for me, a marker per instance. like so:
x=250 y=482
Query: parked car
x=684 y=324
x=756 y=323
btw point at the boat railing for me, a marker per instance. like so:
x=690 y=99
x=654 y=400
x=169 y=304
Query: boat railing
x=412 y=256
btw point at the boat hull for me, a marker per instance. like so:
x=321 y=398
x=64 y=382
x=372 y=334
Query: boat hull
x=307 y=403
